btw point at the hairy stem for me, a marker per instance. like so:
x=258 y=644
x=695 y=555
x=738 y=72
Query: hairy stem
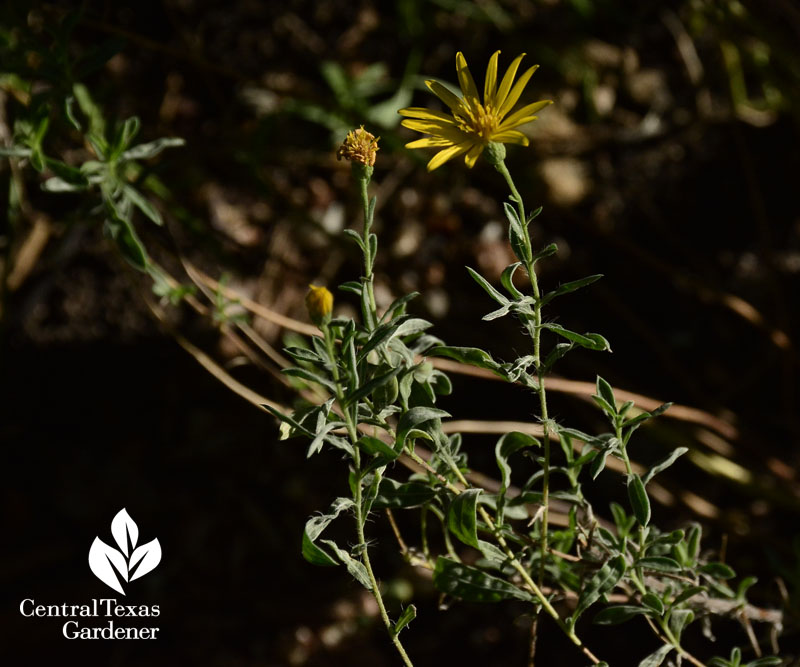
x=512 y=558
x=535 y=330
x=352 y=431
x=363 y=182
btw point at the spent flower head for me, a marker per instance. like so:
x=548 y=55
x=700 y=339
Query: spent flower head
x=359 y=146
x=471 y=125
x=319 y=302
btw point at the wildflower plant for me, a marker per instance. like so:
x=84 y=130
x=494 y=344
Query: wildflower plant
x=381 y=413
x=378 y=391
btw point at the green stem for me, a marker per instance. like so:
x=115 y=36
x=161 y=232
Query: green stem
x=512 y=558
x=352 y=431
x=535 y=329
x=363 y=182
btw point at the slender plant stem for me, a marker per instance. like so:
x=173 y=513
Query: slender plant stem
x=352 y=431
x=512 y=558
x=535 y=329
x=363 y=182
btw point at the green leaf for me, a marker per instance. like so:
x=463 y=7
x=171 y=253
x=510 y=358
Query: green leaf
x=618 y=614
x=590 y=341
x=413 y=419
x=678 y=620
x=143 y=204
x=381 y=334
x=653 y=602
x=152 y=148
x=765 y=662
x=491 y=291
x=310 y=376
x=124 y=235
x=412 y=326
x=505 y=447
x=354 y=567
x=313 y=529
x=507 y=279
x=552 y=249
x=718 y=570
x=125 y=134
x=638 y=419
x=605 y=391
x=461 y=516
x=637 y=496
x=664 y=463
x=687 y=593
x=472 y=356
x=566 y=288
x=355 y=236
x=557 y=353
x=744 y=584
x=471 y=584
x=371 y=386
x=376 y=446
x=408 y=615
x=394 y=495
x=656 y=658
x=599 y=584
x=659 y=564
x=398 y=305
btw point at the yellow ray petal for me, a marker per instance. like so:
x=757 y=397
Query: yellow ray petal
x=472 y=156
x=465 y=80
x=508 y=79
x=516 y=91
x=490 y=83
x=453 y=101
x=511 y=137
x=524 y=115
x=435 y=127
x=420 y=112
x=448 y=154
x=430 y=142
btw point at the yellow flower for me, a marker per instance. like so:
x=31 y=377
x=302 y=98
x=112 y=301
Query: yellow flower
x=471 y=125
x=359 y=146
x=319 y=302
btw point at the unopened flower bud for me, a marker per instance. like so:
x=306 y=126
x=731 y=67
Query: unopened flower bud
x=319 y=302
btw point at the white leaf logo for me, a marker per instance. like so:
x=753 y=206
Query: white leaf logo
x=111 y=566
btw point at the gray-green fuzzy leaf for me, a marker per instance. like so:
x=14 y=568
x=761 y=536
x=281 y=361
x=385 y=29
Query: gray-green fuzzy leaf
x=471 y=584
x=461 y=516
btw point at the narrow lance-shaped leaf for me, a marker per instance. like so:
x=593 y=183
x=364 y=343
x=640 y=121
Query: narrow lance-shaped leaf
x=375 y=383
x=461 y=516
x=414 y=418
x=491 y=291
x=640 y=503
x=354 y=567
x=408 y=615
x=664 y=463
x=591 y=341
x=507 y=280
x=605 y=391
x=472 y=356
x=600 y=583
x=566 y=288
x=393 y=494
x=313 y=529
x=656 y=658
x=474 y=585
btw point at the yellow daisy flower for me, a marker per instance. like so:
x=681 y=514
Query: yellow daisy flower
x=471 y=125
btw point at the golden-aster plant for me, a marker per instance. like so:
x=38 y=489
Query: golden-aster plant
x=471 y=124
